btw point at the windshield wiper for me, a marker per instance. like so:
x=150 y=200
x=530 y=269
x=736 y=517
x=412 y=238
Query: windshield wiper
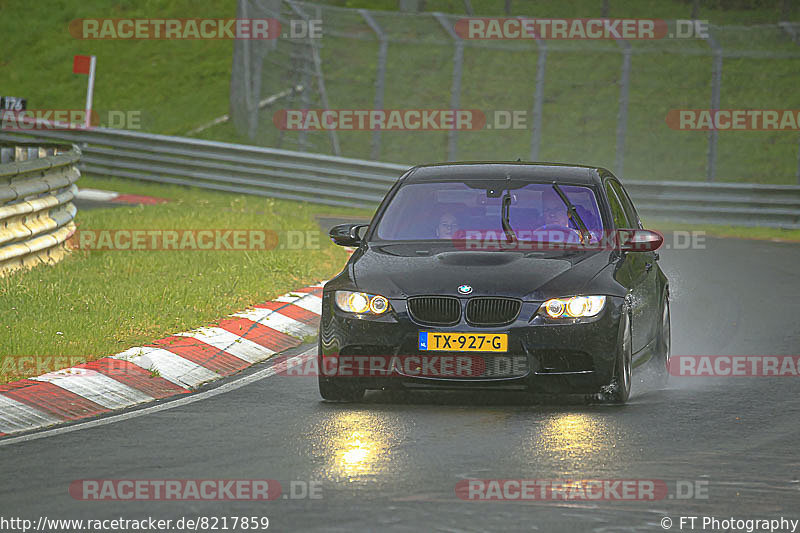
x=573 y=214
x=510 y=235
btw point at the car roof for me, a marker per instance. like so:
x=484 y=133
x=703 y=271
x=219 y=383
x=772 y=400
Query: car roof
x=467 y=170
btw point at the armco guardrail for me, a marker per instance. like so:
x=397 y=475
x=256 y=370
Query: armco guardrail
x=229 y=167
x=742 y=204
x=358 y=183
x=37 y=185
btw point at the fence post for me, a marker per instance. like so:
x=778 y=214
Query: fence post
x=252 y=115
x=320 y=77
x=380 y=78
x=455 y=91
x=622 y=115
x=695 y=9
x=789 y=29
x=716 y=81
x=798 y=162
x=538 y=98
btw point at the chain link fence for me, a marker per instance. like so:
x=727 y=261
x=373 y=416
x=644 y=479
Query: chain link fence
x=598 y=102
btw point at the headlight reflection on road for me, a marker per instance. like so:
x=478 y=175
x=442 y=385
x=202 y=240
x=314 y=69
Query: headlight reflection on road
x=359 y=453
x=575 y=440
x=359 y=444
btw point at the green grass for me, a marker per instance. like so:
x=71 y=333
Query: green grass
x=581 y=93
x=175 y=84
x=97 y=303
x=717 y=11
x=180 y=84
x=94 y=304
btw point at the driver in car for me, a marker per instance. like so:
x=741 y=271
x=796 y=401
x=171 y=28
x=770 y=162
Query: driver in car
x=556 y=226
x=448 y=224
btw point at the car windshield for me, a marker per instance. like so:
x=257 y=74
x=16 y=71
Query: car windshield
x=454 y=210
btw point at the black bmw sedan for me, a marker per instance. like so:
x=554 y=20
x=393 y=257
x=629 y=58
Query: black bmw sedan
x=515 y=276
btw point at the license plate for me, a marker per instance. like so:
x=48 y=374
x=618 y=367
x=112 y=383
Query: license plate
x=463 y=342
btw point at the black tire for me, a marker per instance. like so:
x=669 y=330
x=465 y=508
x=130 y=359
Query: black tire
x=664 y=347
x=338 y=390
x=619 y=390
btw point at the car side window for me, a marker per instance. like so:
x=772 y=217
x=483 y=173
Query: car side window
x=617 y=211
x=627 y=205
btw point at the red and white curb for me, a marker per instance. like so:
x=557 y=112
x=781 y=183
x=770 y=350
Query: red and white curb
x=96 y=195
x=167 y=367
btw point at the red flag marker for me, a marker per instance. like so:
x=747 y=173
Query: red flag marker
x=81 y=64
x=86 y=65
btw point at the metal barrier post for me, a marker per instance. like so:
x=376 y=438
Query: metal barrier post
x=622 y=115
x=380 y=78
x=251 y=99
x=716 y=82
x=455 y=91
x=538 y=98
x=798 y=162
x=320 y=77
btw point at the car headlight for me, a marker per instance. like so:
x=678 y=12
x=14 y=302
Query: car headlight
x=574 y=307
x=361 y=302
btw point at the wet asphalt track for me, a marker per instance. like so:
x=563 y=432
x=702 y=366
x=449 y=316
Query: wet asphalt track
x=392 y=462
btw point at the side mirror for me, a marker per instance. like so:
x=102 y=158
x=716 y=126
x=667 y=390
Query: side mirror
x=639 y=240
x=346 y=234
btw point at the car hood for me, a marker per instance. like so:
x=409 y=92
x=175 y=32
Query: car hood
x=403 y=270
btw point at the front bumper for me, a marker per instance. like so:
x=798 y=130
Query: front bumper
x=575 y=355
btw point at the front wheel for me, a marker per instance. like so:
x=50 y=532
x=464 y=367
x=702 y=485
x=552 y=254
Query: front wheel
x=664 y=347
x=619 y=390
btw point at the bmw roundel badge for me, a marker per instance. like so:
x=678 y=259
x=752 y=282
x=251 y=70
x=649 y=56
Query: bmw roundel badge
x=464 y=289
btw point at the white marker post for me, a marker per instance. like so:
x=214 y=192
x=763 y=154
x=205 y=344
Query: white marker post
x=86 y=65
x=90 y=92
